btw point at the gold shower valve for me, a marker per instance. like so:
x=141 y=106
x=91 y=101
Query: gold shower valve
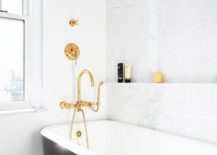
x=72 y=51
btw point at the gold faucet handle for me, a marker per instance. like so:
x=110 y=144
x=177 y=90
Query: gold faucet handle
x=86 y=103
x=62 y=105
x=65 y=105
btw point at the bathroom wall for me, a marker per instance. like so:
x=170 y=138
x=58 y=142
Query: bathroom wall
x=175 y=37
x=127 y=37
x=20 y=132
x=182 y=109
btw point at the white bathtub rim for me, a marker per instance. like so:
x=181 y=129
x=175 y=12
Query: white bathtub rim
x=64 y=142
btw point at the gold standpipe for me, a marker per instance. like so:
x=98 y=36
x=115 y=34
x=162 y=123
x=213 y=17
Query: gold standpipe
x=80 y=104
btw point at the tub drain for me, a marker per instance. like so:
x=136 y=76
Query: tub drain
x=78 y=134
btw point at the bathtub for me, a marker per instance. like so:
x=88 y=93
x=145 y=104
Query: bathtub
x=116 y=138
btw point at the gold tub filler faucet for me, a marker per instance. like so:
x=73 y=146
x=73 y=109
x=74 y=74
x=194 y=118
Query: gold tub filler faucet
x=80 y=104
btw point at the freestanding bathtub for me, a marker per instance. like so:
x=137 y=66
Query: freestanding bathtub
x=115 y=138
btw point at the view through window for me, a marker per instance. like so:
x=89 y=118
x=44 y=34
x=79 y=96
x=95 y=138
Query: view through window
x=12 y=51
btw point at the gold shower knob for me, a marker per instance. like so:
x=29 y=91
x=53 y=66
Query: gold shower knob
x=73 y=22
x=72 y=51
x=62 y=105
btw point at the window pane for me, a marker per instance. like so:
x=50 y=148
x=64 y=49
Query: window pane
x=11 y=60
x=12 y=6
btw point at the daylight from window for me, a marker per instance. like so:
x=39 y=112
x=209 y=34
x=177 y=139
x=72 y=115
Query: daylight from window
x=11 y=60
x=12 y=6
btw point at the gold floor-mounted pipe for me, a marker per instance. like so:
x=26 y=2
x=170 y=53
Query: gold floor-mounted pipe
x=79 y=104
x=85 y=127
x=78 y=109
x=72 y=123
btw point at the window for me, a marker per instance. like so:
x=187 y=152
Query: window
x=16 y=49
x=11 y=60
x=12 y=6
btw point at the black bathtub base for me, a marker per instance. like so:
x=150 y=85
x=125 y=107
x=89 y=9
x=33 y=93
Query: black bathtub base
x=52 y=148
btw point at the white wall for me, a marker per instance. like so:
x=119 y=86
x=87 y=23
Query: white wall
x=20 y=132
x=177 y=37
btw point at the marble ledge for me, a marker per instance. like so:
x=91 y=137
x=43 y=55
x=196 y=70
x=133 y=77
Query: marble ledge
x=159 y=84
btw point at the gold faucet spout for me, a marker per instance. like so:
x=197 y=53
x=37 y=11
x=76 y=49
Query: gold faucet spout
x=79 y=82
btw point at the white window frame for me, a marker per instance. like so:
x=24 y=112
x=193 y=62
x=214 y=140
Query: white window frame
x=33 y=81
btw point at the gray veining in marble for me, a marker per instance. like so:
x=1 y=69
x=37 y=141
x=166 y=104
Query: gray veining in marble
x=182 y=109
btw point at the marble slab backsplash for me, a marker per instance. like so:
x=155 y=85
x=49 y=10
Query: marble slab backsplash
x=183 y=109
x=176 y=37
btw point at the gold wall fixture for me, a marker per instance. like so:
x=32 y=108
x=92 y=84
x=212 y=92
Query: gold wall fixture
x=73 y=22
x=80 y=104
x=72 y=51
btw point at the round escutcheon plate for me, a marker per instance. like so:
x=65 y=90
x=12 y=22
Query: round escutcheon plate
x=72 y=51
